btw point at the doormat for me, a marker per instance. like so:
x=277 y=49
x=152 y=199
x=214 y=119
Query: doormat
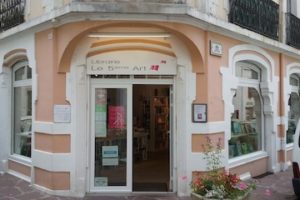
x=154 y=187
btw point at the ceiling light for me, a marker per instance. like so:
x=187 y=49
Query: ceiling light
x=128 y=35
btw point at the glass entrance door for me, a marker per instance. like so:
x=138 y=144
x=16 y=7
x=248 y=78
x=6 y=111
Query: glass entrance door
x=111 y=146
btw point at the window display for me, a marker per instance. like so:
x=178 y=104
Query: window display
x=22 y=108
x=245 y=122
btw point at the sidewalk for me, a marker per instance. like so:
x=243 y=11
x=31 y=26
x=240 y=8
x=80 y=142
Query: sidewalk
x=272 y=187
x=275 y=186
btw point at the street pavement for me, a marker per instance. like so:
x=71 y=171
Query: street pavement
x=270 y=187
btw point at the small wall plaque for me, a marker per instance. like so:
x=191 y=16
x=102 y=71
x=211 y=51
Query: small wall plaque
x=199 y=112
x=62 y=113
x=216 y=48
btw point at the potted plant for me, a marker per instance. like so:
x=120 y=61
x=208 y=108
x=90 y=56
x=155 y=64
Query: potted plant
x=218 y=183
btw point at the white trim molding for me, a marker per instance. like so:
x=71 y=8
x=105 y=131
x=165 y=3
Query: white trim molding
x=52 y=128
x=54 y=162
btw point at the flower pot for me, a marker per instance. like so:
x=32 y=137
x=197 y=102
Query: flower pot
x=195 y=196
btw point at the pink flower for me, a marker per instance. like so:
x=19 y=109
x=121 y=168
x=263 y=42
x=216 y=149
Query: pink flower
x=242 y=186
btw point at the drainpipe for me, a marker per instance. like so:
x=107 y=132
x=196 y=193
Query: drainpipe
x=281 y=110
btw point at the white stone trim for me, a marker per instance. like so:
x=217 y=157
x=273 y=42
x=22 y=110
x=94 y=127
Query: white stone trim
x=19 y=175
x=52 y=128
x=66 y=193
x=20 y=159
x=207 y=128
x=54 y=162
x=245 y=159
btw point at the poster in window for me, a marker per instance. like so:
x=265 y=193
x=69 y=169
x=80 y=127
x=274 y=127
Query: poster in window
x=100 y=112
x=116 y=117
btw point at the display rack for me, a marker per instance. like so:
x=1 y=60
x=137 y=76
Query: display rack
x=243 y=137
x=161 y=116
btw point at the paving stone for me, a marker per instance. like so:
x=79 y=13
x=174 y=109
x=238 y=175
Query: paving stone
x=9 y=191
x=275 y=186
x=30 y=195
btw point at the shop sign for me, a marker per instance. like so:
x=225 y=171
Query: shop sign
x=132 y=62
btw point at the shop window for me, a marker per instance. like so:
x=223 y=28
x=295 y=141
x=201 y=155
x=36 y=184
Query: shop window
x=294 y=111
x=22 y=109
x=246 y=121
x=246 y=126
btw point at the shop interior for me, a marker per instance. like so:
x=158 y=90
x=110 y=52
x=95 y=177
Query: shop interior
x=151 y=113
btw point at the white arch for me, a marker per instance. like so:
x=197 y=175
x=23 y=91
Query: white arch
x=247 y=47
x=269 y=93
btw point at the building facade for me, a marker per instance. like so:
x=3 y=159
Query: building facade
x=123 y=96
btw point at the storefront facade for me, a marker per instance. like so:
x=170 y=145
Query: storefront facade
x=104 y=105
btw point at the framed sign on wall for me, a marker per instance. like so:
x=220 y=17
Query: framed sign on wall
x=199 y=112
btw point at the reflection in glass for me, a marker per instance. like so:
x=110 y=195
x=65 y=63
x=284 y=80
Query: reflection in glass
x=246 y=123
x=22 y=120
x=110 y=137
x=248 y=71
x=293 y=116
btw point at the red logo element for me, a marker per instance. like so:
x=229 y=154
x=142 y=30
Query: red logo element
x=163 y=61
x=155 y=67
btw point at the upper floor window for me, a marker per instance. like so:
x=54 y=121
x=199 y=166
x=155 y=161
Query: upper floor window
x=22 y=109
x=292 y=7
x=247 y=71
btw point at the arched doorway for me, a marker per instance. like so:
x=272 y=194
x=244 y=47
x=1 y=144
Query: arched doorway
x=158 y=86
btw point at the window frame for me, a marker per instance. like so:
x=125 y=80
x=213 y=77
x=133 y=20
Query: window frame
x=19 y=84
x=251 y=83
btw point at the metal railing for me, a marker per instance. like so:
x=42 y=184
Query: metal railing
x=11 y=13
x=292 y=30
x=260 y=16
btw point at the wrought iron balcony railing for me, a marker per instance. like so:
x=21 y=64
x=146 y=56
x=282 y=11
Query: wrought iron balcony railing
x=11 y=13
x=292 y=30
x=260 y=16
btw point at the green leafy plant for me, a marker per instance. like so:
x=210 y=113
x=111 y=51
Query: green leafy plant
x=217 y=183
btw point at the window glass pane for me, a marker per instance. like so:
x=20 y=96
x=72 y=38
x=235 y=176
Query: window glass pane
x=246 y=126
x=28 y=72
x=293 y=116
x=248 y=71
x=293 y=81
x=20 y=74
x=110 y=137
x=22 y=121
